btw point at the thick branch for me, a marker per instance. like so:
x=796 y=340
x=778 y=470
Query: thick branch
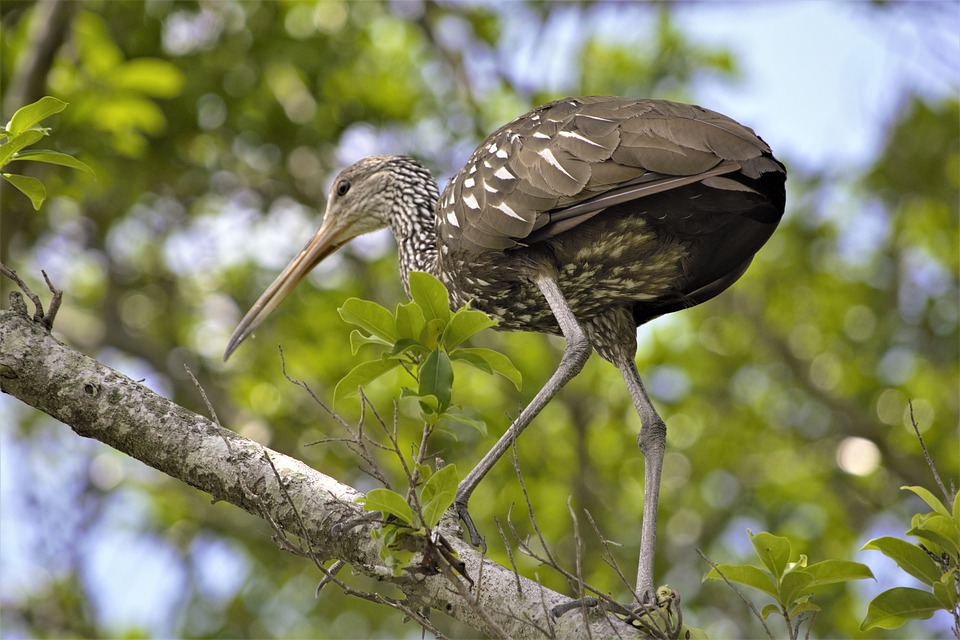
x=100 y=403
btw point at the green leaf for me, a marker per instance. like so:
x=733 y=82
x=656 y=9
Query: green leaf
x=946 y=594
x=30 y=187
x=398 y=559
x=803 y=607
x=939 y=530
x=793 y=586
x=359 y=339
x=928 y=497
x=895 y=606
x=956 y=510
x=18 y=142
x=389 y=503
x=475 y=361
x=833 y=571
x=372 y=317
x=908 y=557
x=360 y=375
x=424 y=471
x=436 y=378
x=773 y=550
x=745 y=574
x=54 y=157
x=497 y=362
x=406 y=344
x=154 y=77
x=461 y=417
x=430 y=335
x=429 y=405
x=27 y=116
x=465 y=324
x=438 y=494
x=770 y=609
x=431 y=295
x=409 y=321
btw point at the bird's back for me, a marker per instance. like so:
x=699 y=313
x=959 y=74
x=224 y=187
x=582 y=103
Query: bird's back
x=647 y=204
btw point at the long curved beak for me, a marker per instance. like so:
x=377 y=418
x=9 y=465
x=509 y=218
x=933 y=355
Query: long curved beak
x=328 y=239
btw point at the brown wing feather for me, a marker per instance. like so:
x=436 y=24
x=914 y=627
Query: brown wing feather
x=515 y=187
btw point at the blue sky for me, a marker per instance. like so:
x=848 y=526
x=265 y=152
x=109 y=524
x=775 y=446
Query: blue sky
x=822 y=79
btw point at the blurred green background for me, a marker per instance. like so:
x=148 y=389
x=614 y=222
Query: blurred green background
x=215 y=129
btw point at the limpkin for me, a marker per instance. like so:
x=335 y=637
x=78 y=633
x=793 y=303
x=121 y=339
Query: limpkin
x=585 y=217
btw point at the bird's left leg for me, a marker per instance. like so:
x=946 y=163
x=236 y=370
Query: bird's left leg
x=575 y=355
x=615 y=337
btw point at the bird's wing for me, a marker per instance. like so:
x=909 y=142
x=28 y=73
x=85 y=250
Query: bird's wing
x=567 y=161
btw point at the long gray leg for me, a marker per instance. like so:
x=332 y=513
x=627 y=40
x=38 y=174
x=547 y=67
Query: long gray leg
x=614 y=336
x=652 y=440
x=575 y=355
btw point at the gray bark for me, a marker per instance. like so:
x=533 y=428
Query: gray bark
x=98 y=402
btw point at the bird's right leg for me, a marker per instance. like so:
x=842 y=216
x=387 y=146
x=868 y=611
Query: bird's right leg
x=614 y=335
x=575 y=355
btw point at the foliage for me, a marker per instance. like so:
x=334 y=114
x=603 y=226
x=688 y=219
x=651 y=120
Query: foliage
x=790 y=582
x=404 y=522
x=934 y=561
x=425 y=338
x=23 y=131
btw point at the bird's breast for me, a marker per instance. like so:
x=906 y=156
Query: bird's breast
x=614 y=264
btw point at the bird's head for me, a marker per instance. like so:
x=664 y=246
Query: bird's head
x=359 y=202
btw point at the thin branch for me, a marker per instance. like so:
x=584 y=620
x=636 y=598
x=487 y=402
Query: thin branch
x=43 y=319
x=509 y=549
x=609 y=558
x=329 y=576
x=203 y=394
x=357 y=438
x=578 y=557
x=749 y=604
x=926 y=455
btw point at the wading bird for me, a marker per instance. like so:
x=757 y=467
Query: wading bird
x=585 y=217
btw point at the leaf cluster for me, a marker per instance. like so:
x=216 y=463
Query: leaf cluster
x=406 y=527
x=22 y=131
x=790 y=582
x=934 y=560
x=425 y=338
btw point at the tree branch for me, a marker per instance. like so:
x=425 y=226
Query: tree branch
x=98 y=402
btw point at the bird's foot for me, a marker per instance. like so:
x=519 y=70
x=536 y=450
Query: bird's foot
x=660 y=616
x=471 y=529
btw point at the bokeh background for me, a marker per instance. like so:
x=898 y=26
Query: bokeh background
x=215 y=129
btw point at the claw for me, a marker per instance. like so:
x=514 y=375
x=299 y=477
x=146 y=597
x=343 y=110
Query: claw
x=464 y=515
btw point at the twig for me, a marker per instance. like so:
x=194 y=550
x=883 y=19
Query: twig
x=551 y=561
x=54 y=302
x=203 y=394
x=738 y=592
x=610 y=559
x=578 y=558
x=574 y=580
x=329 y=574
x=926 y=454
x=464 y=592
x=44 y=319
x=303 y=385
x=509 y=550
x=357 y=439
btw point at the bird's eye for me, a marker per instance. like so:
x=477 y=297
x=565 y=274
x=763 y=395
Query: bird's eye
x=342 y=187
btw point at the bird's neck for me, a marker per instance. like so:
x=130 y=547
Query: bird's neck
x=413 y=220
